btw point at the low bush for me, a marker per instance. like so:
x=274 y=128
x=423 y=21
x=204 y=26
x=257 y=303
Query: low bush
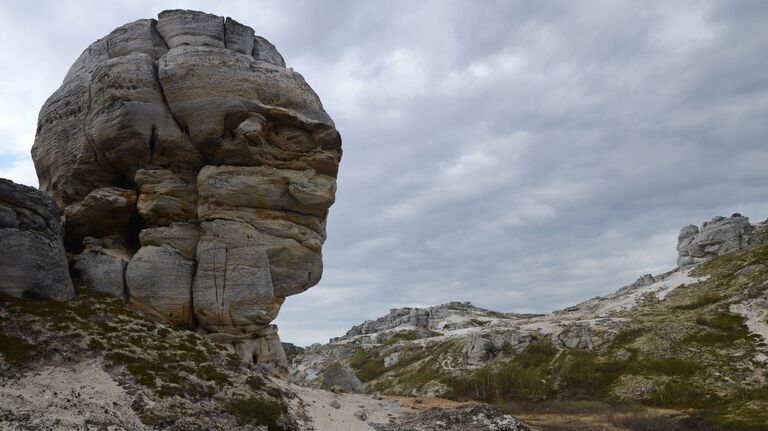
x=257 y=411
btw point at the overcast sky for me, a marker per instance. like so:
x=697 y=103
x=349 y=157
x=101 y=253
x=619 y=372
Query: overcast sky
x=521 y=155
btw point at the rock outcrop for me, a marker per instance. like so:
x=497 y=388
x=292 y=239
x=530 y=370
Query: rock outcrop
x=341 y=379
x=717 y=237
x=32 y=259
x=392 y=352
x=189 y=162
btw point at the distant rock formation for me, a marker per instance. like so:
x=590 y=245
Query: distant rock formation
x=195 y=172
x=717 y=237
x=410 y=351
x=32 y=259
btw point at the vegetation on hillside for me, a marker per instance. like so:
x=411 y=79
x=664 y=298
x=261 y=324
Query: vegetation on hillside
x=187 y=376
x=689 y=352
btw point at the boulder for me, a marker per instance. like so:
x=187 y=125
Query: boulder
x=344 y=379
x=188 y=142
x=32 y=259
x=102 y=265
x=477 y=349
x=159 y=282
x=577 y=336
x=719 y=236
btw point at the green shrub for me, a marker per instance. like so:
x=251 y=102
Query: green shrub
x=536 y=354
x=15 y=350
x=677 y=393
x=723 y=329
x=401 y=336
x=701 y=301
x=626 y=336
x=672 y=366
x=256 y=411
x=367 y=364
x=526 y=377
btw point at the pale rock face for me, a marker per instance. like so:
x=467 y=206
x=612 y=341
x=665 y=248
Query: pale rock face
x=719 y=236
x=32 y=259
x=208 y=164
x=102 y=265
x=344 y=379
x=477 y=349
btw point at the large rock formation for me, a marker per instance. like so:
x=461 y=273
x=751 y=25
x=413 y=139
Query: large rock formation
x=191 y=163
x=717 y=237
x=32 y=259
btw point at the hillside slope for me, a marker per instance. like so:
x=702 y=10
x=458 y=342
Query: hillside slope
x=694 y=337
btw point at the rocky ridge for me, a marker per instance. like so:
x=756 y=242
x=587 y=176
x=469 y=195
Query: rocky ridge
x=194 y=172
x=415 y=351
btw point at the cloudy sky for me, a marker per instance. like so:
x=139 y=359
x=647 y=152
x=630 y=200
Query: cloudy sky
x=522 y=155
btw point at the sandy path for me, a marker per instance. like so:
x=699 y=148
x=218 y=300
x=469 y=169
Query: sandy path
x=66 y=397
x=315 y=407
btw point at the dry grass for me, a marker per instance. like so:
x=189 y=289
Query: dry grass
x=596 y=416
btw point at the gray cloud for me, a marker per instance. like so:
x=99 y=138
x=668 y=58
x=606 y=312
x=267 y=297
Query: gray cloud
x=521 y=155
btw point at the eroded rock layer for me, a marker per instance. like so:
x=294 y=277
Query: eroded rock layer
x=32 y=260
x=194 y=172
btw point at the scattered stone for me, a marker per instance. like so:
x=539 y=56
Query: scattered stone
x=361 y=414
x=476 y=417
x=335 y=404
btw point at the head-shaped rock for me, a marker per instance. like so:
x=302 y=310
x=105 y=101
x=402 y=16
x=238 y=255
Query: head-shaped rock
x=191 y=163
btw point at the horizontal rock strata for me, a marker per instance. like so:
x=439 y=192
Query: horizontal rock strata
x=32 y=259
x=195 y=172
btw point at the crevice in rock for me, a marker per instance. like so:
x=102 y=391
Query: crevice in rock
x=224 y=284
x=224 y=26
x=153 y=27
x=132 y=231
x=152 y=143
x=182 y=127
x=106 y=42
x=215 y=284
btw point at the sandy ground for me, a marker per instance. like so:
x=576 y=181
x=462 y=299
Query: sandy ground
x=314 y=407
x=756 y=313
x=650 y=419
x=420 y=404
x=80 y=396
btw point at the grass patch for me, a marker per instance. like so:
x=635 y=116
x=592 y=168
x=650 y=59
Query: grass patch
x=257 y=411
x=701 y=301
x=401 y=336
x=672 y=367
x=526 y=377
x=677 y=393
x=367 y=364
x=751 y=415
x=627 y=336
x=722 y=329
x=584 y=375
x=15 y=350
x=168 y=361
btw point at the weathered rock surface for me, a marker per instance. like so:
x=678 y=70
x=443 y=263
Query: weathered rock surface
x=186 y=141
x=102 y=266
x=717 y=237
x=32 y=259
x=480 y=417
x=344 y=379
